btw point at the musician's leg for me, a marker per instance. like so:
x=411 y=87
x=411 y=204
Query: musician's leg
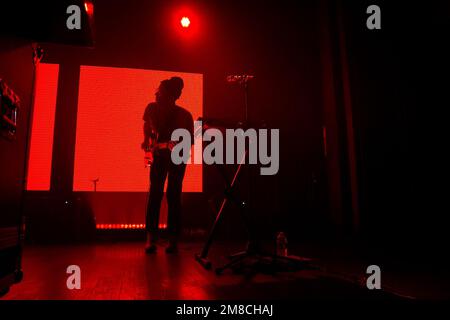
x=158 y=173
x=174 y=190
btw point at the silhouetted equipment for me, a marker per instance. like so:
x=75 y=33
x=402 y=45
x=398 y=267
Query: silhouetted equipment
x=253 y=251
x=229 y=195
x=46 y=21
x=10 y=227
x=9 y=106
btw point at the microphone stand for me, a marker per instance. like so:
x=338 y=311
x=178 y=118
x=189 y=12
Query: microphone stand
x=253 y=249
x=229 y=194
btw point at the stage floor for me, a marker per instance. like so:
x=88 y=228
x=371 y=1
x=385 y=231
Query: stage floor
x=121 y=270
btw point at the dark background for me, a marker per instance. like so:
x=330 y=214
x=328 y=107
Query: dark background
x=380 y=94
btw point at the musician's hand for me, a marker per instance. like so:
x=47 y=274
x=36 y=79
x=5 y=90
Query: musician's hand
x=145 y=145
x=148 y=159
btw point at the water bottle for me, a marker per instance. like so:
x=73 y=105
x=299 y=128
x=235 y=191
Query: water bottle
x=282 y=244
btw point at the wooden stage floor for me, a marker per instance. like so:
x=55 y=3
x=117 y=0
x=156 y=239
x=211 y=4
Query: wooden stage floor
x=121 y=270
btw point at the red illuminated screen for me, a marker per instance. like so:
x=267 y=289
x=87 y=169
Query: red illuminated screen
x=41 y=142
x=111 y=104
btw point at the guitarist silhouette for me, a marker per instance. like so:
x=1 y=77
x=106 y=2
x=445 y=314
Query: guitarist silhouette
x=161 y=118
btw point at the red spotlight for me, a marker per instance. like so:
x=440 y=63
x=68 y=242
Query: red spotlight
x=89 y=7
x=185 y=22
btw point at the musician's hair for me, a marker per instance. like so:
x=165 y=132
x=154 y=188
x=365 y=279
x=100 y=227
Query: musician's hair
x=174 y=86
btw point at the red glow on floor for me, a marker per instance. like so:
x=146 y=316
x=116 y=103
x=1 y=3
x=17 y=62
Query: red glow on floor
x=111 y=104
x=41 y=142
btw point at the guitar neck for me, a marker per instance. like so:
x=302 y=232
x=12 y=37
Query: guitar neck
x=161 y=145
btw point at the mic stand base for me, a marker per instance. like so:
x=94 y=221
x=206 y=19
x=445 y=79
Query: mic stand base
x=271 y=263
x=204 y=261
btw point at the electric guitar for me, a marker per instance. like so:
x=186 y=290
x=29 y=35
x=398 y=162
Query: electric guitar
x=151 y=149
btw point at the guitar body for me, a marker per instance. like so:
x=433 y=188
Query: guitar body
x=150 y=151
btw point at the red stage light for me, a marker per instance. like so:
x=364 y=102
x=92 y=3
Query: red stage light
x=185 y=22
x=89 y=7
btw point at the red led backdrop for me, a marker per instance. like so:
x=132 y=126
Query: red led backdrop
x=111 y=103
x=41 y=143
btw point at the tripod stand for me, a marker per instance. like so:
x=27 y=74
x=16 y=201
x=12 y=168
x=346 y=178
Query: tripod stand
x=229 y=195
x=272 y=262
x=252 y=251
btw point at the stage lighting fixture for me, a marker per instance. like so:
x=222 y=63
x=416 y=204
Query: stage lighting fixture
x=89 y=7
x=185 y=22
